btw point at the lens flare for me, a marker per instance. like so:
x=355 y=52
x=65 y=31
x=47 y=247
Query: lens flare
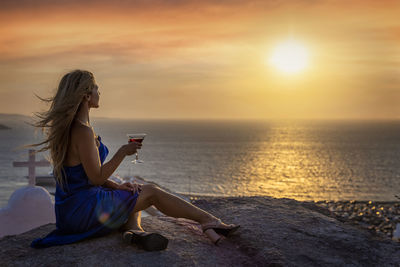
x=104 y=217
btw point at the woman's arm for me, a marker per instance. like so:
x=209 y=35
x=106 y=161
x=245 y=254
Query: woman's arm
x=111 y=184
x=89 y=155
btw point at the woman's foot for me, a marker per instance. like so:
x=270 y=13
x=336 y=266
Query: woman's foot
x=219 y=227
x=146 y=240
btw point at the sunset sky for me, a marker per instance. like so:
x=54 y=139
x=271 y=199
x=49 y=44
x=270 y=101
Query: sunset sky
x=206 y=59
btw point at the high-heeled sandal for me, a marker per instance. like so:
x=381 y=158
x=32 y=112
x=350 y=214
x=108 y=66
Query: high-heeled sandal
x=213 y=236
x=146 y=240
x=219 y=228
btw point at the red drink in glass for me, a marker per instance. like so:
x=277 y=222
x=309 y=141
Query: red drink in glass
x=136 y=138
x=140 y=140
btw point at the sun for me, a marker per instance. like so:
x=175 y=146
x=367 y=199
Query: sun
x=290 y=57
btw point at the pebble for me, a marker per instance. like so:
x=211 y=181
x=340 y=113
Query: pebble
x=378 y=217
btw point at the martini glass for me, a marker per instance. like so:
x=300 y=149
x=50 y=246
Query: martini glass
x=137 y=137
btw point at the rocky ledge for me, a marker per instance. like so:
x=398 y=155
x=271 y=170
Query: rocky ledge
x=274 y=232
x=379 y=217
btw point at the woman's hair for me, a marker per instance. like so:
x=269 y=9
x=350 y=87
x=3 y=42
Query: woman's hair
x=56 y=122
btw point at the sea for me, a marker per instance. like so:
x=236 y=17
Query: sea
x=310 y=160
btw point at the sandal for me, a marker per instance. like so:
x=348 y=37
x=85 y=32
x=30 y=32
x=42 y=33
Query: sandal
x=213 y=236
x=219 y=228
x=147 y=241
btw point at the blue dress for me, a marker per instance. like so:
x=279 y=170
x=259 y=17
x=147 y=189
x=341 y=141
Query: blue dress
x=84 y=210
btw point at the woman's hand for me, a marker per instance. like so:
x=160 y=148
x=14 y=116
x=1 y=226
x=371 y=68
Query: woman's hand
x=131 y=148
x=130 y=187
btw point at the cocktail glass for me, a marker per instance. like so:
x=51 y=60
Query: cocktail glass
x=138 y=137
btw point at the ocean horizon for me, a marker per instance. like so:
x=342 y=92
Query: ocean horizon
x=299 y=159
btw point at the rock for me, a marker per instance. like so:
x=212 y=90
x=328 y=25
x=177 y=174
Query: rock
x=396 y=233
x=273 y=232
x=379 y=216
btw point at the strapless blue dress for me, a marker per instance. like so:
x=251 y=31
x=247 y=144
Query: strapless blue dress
x=84 y=210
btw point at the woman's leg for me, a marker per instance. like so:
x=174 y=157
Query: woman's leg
x=170 y=205
x=133 y=222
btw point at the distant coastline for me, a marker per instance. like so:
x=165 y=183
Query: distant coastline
x=3 y=127
x=261 y=119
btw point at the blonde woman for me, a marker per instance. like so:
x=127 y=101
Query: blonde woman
x=87 y=203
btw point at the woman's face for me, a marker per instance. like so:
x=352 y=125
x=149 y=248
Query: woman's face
x=94 y=97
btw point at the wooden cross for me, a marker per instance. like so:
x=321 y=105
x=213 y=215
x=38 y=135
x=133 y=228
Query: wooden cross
x=31 y=164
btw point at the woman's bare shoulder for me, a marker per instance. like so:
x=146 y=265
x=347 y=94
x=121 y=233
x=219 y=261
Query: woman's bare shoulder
x=79 y=131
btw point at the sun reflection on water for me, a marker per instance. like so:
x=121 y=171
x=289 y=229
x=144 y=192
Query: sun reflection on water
x=289 y=162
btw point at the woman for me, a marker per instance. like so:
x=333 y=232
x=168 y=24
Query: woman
x=87 y=203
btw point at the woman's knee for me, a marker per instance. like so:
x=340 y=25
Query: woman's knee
x=146 y=197
x=149 y=191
